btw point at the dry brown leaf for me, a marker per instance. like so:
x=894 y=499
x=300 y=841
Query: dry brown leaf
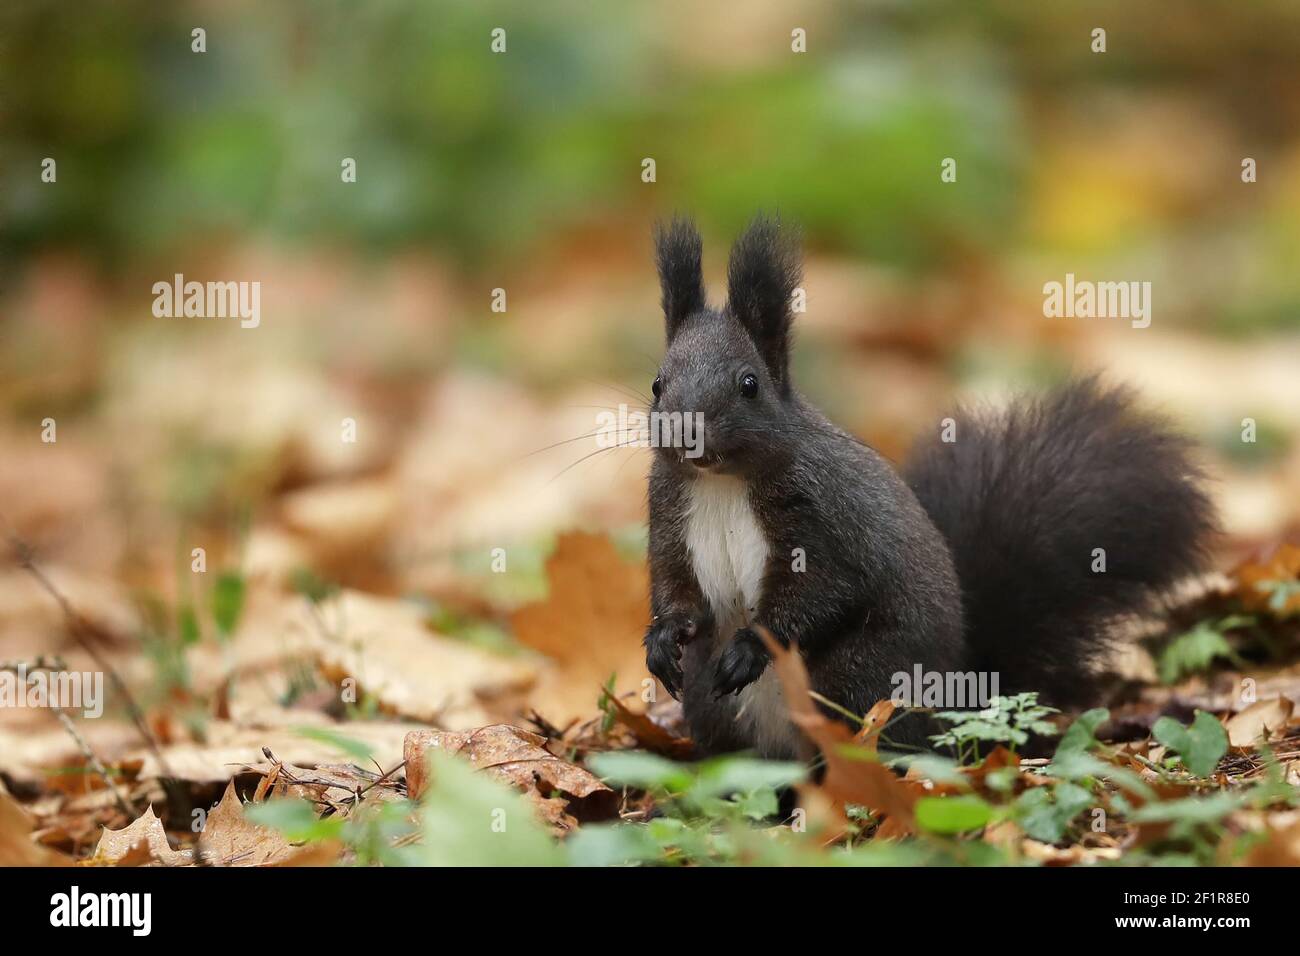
x=387 y=648
x=1073 y=855
x=590 y=626
x=999 y=758
x=142 y=843
x=229 y=838
x=345 y=525
x=1004 y=833
x=319 y=853
x=1264 y=719
x=381 y=643
x=230 y=747
x=650 y=735
x=1281 y=848
x=521 y=759
x=1282 y=565
x=16 y=845
x=853 y=773
x=267 y=783
x=877 y=717
x=461 y=495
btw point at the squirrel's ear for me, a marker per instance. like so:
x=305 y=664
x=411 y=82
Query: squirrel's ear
x=678 y=251
x=761 y=278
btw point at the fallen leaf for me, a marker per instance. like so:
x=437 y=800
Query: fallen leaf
x=650 y=735
x=590 y=626
x=316 y=853
x=229 y=838
x=1280 y=848
x=230 y=747
x=999 y=758
x=519 y=758
x=1282 y=565
x=344 y=524
x=1050 y=855
x=16 y=845
x=386 y=647
x=875 y=721
x=854 y=774
x=1261 y=720
x=142 y=843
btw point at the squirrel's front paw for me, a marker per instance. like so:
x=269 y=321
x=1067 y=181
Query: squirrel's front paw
x=663 y=649
x=741 y=663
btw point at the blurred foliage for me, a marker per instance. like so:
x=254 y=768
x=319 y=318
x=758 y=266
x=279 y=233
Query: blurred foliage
x=488 y=156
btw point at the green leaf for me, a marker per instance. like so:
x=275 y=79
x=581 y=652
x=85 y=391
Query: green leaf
x=617 y=844
x=1078 y=765
x=1190 y=810
x=1046 y=812
x=227 y=601
x=606 y=704
x=952 y=814
x=187 y=626
x=311 y=586
x=933 y=767
x=759 y=804
x=635 y=768
x=743 y=775
x=1200 y=746
x=1195 y=651
x=355 y=749
x=1081 y=735
x=296 y=819
x=472 y=819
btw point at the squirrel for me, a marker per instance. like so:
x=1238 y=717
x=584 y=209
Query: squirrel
x=979 y=556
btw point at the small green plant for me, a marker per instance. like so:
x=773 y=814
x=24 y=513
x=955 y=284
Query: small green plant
x=227 y=602
x=1280 y=594
x=708 y=811
x=1045 y=813
x=1007 y=720
x=1196 y=824
x=377 y=833
x=480 y=633
x=955 y=814
x=609 y=713
x=1200 y=746
x=312 y=586
x=1195 y=651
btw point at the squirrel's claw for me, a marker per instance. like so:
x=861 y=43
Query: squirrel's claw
x=741 y=663
x=663 y=650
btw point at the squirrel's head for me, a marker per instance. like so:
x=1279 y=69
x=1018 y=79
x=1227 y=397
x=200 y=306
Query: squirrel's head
x=727 y=368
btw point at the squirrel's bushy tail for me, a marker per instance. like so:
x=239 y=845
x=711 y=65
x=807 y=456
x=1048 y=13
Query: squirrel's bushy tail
x=1032 y=499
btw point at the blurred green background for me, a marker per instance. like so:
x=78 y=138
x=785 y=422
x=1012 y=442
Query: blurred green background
x=522 y=171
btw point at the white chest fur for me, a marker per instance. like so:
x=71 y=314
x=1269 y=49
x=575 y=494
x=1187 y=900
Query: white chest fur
x=729 y=553
x=728 y=548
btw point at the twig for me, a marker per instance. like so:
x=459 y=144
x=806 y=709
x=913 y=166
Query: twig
x=78 y=628
x=380 y=779
x=96 y=765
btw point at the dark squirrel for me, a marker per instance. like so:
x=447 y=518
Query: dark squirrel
x=979 y=557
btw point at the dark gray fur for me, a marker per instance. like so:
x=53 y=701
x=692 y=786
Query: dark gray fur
x=1011 y=513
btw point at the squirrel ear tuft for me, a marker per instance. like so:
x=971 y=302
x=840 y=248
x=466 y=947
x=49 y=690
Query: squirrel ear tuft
x=678 y=253
x=764 y=271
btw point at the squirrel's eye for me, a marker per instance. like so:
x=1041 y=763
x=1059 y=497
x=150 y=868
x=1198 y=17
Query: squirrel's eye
x=749 y=385
x=657 y=386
